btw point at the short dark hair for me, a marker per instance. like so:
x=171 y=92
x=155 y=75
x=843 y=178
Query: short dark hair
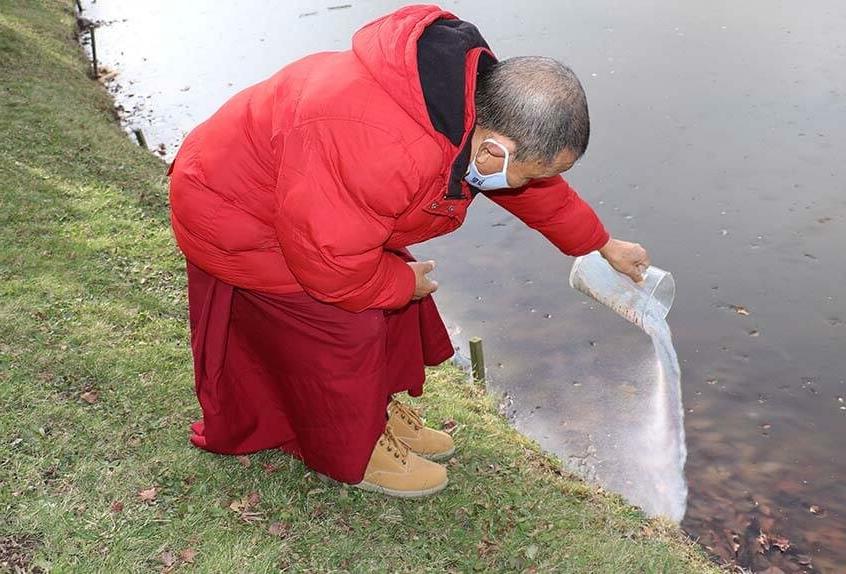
x=537 y=102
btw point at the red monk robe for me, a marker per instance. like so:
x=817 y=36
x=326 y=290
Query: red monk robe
x=293 y=205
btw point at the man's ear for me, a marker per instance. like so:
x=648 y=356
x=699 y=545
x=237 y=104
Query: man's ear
x=489 y=151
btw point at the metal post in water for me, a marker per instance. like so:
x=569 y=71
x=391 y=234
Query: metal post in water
x=94 y=52
x=477 y=359
x=139 y=135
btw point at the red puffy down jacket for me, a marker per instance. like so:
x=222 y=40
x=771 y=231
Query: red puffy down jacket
x=310 y=180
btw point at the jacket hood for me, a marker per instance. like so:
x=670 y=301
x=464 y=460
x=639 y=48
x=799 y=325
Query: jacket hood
x=427 y=59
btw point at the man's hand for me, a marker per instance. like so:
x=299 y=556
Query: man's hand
x=628 y=258
x=423 y=285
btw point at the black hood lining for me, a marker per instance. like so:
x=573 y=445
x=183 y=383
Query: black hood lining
x=442 y=63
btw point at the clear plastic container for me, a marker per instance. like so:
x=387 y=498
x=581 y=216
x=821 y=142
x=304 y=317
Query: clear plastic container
x=593 y=275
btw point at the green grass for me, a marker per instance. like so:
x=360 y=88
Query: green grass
x=92 y=301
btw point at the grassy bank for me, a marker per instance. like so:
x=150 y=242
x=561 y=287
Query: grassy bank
x=96 y=473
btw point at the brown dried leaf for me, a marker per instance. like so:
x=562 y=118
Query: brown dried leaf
x=734 y=540
x=486 y=547
x=90 y=397
x=818 y=510
x=279 y=529
x=740 y=310
x=780 y=542
x=236 y=505
x=244 y=460
x=148 y=494
x=117 y=506
x=449 y=426
x=269 y=468
x=253 y=499
x=768 y=541
x=188 y=555
x=250 y=517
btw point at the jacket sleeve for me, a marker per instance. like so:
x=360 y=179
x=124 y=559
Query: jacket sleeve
x=339 y=191
x=553 y=208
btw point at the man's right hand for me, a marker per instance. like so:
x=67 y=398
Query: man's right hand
x=423 y=285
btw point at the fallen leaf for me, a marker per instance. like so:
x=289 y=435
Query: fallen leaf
x=735 y=542
x=244 y=460
x=117 y=506
x=108 y=76
x=269 y=468
x=250 y=517
x=818 y=510
x=780 y=542
x=768 y=541
x=167 y=558
x=253 y=499
x=148 y=494
x=711 y=382
x=90 y=397
x=236 y=506
x=485 y=547
x=449 y=426
x=278 y=529
x=740 y=310
x=188 y=555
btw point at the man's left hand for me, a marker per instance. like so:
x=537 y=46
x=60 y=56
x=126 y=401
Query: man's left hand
x=628 y=258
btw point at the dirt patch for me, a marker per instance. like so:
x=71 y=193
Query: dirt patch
x=16 y=553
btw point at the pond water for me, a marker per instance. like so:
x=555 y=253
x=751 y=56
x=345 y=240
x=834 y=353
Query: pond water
x=719 y=142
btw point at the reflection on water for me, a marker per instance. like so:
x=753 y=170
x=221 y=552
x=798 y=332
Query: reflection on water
x=717 y=142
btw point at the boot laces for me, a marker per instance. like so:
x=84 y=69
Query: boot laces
x=408 y=414
x=394 y=445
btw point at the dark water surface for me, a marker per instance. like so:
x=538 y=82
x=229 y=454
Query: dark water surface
x=719 y=142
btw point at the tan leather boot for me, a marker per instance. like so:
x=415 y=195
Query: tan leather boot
x=396 y=471
x=406 y=424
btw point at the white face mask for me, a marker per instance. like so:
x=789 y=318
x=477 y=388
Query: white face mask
x=497 y=180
